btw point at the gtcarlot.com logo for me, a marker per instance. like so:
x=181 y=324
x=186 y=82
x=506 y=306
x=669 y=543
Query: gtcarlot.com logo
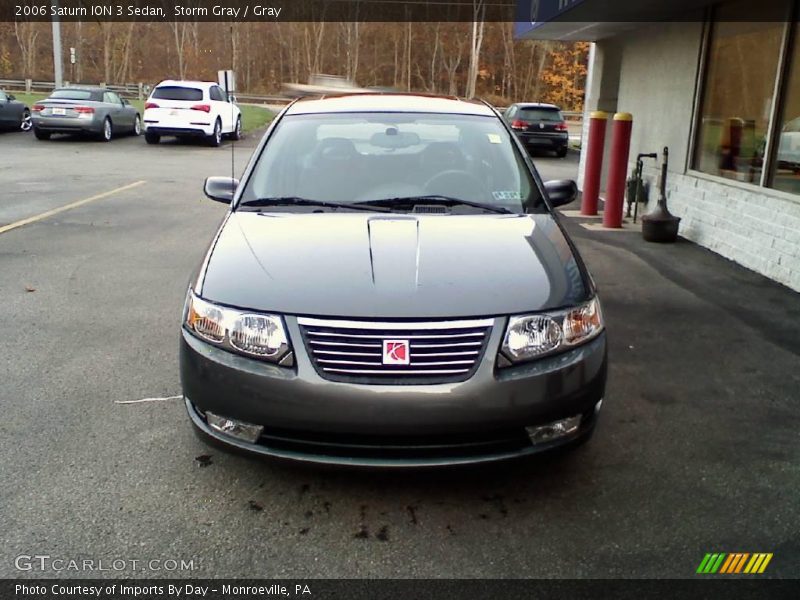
x=734 y=563
x=47 y=563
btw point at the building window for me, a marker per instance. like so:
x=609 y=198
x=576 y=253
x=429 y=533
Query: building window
x=785 y=175
x=742 y=65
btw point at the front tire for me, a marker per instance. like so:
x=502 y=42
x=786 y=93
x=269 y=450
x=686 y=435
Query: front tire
x=137 y=126
x=41 y=135
x=151 y=138
x=215 y=139
x=108 y=131
x=26 y=123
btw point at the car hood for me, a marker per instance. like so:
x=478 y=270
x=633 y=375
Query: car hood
x=392 y=266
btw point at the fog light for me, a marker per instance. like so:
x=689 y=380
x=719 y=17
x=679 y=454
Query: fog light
x=554 y=430
x=238 y=429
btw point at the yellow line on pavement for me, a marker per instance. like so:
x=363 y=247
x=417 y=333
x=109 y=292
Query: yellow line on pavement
x=70 y=206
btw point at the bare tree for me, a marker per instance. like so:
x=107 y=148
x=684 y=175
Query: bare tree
x=479 y=17
x=27 y=34
x=451 y=59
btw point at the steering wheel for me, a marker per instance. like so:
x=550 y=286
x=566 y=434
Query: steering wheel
x=334 y=149
x=456 y=183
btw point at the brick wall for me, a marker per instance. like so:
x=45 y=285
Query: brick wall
x=750 y=227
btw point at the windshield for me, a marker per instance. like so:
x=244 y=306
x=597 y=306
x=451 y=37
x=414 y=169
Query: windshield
x=71 y=95
x=541 y=114
x=177 y=93
x=362 y=157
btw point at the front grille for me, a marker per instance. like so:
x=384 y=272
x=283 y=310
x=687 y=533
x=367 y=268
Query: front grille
x=440 y=351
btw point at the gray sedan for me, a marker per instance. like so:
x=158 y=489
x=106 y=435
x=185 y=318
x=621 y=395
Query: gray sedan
x=13 y=113
x=96 y=111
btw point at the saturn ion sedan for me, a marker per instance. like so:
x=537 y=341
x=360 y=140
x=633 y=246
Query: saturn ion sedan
x=392 y=287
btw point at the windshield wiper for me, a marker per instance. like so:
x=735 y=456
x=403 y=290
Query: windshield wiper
x=296 y=201
x=412 y=201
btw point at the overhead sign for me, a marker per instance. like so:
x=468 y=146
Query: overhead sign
x=532 y=14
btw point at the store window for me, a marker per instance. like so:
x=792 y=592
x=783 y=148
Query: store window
x=737 y=95
x=785 y=174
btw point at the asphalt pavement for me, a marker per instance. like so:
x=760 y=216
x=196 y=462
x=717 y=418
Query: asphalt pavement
x=696 y=450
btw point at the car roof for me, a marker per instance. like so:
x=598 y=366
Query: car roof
x=396 y=102
x=80 y=88
x=186 y=83
x=537 y=105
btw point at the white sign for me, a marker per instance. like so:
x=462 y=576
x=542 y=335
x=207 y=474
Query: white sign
x=227 y=81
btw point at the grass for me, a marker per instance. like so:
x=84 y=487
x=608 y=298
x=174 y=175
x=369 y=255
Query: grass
x=253 y=117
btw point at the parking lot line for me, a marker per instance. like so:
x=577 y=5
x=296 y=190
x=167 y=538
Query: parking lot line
x=72 y=205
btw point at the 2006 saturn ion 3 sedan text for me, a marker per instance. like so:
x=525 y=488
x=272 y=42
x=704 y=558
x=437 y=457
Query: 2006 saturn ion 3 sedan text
x=391 y=287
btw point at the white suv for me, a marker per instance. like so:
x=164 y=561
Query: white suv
x=191 y=109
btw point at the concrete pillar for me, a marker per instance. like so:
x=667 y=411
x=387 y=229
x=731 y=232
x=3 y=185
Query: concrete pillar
x=602 y=91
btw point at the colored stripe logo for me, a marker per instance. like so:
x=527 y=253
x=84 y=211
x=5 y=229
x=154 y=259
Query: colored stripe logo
x=734 y=563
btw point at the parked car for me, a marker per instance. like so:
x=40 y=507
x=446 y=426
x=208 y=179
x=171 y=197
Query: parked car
x=539 y=127
x=95 y=111
x=191 y=109
x=391 y=286
x=789 y=146
x=14 y=115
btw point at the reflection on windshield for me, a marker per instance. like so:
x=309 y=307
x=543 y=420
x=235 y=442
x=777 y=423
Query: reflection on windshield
x=372 y=156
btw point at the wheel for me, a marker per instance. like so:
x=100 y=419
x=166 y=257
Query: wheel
x=237 y=131
x=215 y=139
x=41 y=135
x=137 y=125
x=26 y=123
x=151 y=138
x=562 y=152
x=106 y=134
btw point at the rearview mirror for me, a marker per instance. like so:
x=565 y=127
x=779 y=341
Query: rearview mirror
x=221 y=189
x=561 y=191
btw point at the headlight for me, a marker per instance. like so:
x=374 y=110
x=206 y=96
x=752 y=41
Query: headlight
x=533 y=336
x=258 y=335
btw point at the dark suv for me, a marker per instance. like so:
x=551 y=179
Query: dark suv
x=391 y=286
x=539 y=127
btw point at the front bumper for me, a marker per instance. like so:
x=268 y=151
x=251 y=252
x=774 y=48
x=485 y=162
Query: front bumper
x=310 y=418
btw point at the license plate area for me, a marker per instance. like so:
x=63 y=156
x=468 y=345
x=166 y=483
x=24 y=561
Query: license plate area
x=59 y=112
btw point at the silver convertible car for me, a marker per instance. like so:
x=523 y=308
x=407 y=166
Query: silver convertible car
x=95 y=111
x=391 y=287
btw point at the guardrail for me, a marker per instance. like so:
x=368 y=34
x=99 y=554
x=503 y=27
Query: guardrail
x=30 y=86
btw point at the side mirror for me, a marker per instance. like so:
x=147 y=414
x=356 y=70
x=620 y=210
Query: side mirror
x=221 y=189
x=561 y=191
x=11 y=97
x=125 y=102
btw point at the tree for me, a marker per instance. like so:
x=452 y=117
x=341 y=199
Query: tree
x=27 y=35
x=479 y=14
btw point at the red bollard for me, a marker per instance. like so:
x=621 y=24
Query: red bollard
x=617 y=170
x=594 y=162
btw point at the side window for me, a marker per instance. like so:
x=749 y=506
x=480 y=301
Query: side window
x=111 y=98
x=3 y=97
x=216 y=94
x=509 y=114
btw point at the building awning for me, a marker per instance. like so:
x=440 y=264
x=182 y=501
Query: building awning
x=592 y=20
